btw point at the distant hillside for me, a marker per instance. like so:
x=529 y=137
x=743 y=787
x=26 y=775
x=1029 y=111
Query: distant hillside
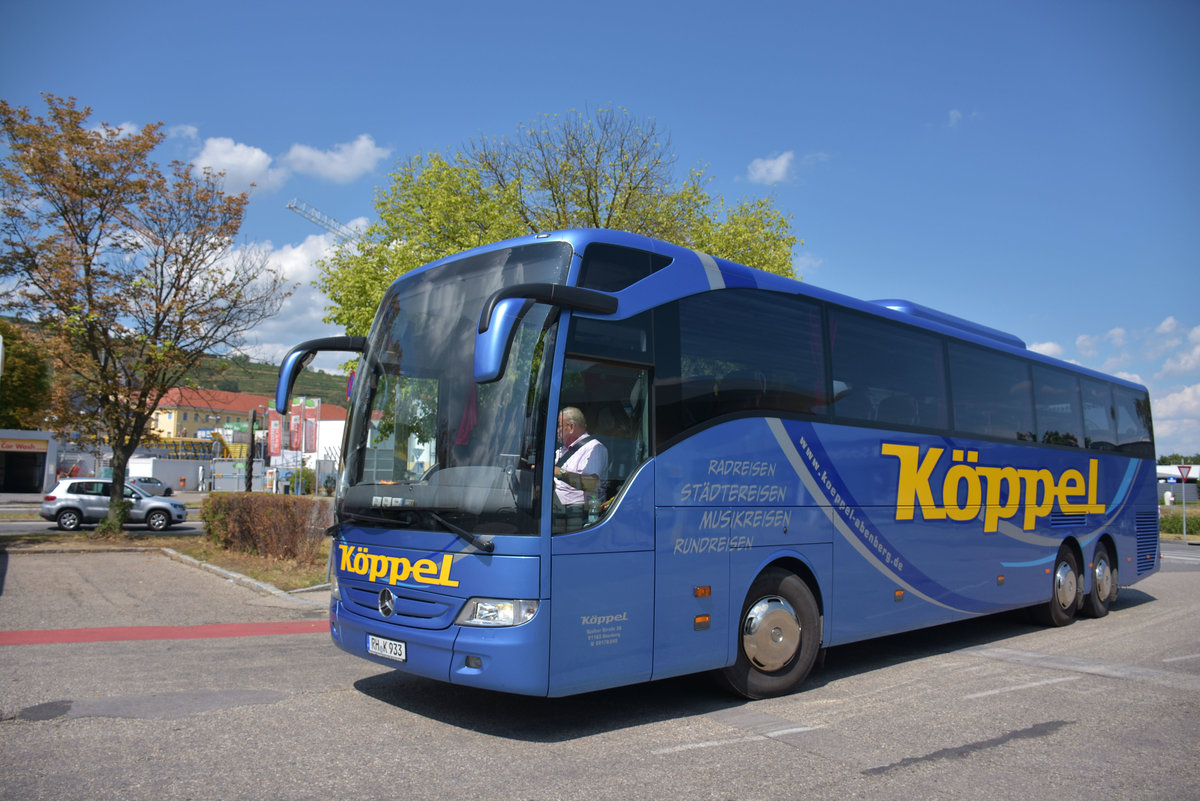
x=242 y=375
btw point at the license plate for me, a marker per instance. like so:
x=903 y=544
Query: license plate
x=390 y=649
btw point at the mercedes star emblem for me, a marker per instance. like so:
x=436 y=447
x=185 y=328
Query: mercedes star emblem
x=387 y=602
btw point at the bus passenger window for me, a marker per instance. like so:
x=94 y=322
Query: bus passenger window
x=886 y=373
x=1135 y=432
x=764 y=357
x=1056 y=399
x=993 y=393
x=1098 y=428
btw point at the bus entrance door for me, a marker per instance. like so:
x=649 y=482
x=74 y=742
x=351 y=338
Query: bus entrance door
x=602 y=597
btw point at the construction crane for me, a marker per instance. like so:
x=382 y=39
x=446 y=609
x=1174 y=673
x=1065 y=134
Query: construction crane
x=320 y=218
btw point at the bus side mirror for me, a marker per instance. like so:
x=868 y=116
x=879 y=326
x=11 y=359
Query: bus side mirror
x=299 y=357
x=504 y=310
x=492 y=346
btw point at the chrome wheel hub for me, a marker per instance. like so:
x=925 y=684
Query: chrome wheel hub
x=1065 y=585
x=1102 y=579
x=771 y=633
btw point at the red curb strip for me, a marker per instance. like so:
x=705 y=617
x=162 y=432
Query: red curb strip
x=132 y=633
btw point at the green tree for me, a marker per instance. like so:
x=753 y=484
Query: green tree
x=131 y=274
x=607 y=170
x=25 y=385
x=1179 y=458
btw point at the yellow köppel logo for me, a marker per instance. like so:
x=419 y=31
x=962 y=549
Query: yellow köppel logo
x=1001 y=492
x=360 y=561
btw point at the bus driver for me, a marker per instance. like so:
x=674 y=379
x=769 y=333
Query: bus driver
x=581 y=463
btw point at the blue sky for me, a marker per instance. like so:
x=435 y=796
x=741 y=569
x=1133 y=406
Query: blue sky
x=1030 y=165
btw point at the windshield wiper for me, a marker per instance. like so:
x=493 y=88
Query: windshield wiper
x=487 y=546
x=361 y=518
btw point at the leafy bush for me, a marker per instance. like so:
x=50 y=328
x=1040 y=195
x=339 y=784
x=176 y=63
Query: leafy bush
x=1171 y=522
x=279 y=526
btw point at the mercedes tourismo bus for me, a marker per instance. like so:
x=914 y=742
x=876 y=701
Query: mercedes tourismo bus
x=788 y=469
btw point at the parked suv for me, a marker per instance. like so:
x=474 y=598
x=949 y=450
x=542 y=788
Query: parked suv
x=75 y=501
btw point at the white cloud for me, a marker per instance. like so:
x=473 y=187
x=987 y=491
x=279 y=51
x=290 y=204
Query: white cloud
x=344 y=163
x=183 y=132
x=1184 y=403
x=955 y=117
x=300 y=317
x=806 y=263
x=1185 y=361
x=1086 y=344
x=1052 y=349
x=1117 y=336
x=1167 y=326
x=1177 y=421
x=772 y=170
x=243 y=165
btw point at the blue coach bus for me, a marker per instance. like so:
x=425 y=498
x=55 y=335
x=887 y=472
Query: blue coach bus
x=786 y=469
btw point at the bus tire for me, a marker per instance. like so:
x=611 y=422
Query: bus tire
x=1066 y=584
x=778 y=636
x=1104 y=583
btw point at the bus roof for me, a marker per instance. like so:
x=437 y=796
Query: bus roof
x=733 y=274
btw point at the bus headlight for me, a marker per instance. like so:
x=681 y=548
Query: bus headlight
x=496 y=612
x=335 y=591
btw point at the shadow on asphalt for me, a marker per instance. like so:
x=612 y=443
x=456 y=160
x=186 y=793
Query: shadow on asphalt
x=548 y=720
x=559 y=719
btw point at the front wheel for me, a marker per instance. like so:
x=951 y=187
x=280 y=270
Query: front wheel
x=158 y=520
x=779 y=636
x=1065 y=589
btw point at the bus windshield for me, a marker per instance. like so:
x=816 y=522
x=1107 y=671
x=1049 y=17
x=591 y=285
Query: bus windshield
x=426 y=446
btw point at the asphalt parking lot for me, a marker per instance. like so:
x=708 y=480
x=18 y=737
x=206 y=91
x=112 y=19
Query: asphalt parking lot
x=134 y=676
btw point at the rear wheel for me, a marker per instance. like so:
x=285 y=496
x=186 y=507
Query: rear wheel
x=1065 y=588
x=68 y=520
x=1104 y=583
x=779 y=636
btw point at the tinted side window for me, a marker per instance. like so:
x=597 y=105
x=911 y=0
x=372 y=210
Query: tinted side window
x=886 y=373
x=1099 y=432
x=993 y=393
x=1059 y=415
x=739 y=351
x=1135 y=431
x=610 y=268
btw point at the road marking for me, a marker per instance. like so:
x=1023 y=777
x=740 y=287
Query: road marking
x=1094 y=667
x=136 y=633
x=709 y=744
x=1020 y=687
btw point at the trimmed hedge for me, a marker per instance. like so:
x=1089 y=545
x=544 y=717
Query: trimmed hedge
x=279 y=526
x=1171 y=521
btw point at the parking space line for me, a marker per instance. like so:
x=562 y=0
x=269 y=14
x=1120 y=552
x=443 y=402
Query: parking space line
x=1019 y=687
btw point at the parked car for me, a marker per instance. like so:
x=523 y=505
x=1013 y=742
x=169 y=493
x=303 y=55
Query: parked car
x=75 y=501
x=151 y=485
